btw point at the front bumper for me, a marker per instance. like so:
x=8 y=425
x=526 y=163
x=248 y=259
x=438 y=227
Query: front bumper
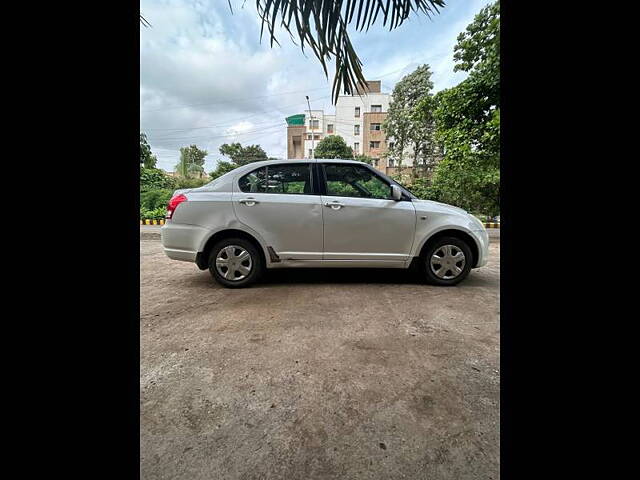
x=482 y=238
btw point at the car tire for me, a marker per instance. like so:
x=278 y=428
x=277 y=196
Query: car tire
x=229 y=265
x=448 y=249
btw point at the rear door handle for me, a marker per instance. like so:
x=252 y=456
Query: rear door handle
x=249 y=202
x=334 y=205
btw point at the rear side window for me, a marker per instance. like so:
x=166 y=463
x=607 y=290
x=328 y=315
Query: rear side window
x=253 y=182
x=288 y=179
x=355 y=181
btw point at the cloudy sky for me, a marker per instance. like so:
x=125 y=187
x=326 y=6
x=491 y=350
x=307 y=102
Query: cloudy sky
x=206 y=79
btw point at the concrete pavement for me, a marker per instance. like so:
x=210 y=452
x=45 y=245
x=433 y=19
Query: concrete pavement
x=318 y=374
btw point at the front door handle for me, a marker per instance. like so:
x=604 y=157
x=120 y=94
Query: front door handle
x=334 y=205
x=249 y=202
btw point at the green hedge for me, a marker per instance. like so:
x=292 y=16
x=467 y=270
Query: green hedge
x=155 y=214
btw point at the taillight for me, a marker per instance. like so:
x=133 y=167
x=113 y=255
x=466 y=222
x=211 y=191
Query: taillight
x=173 y=204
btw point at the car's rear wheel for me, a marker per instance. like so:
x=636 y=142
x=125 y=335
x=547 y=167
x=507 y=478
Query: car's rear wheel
x=447 y=261
x=235 y=262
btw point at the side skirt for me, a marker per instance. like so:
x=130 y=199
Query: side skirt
x=340 y=264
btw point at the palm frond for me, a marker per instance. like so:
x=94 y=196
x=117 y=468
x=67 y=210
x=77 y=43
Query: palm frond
x=144 y=21
x=322 y=26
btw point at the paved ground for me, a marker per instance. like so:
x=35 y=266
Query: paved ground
x=318 y=374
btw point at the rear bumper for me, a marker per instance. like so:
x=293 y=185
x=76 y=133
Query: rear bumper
x=182 y=242
x=184 y=255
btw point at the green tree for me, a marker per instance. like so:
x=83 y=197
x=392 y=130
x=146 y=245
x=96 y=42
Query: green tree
x=147 y=159
x=222 y=168
x=240 y=155
x=364 y=158
x=322 y=26
x=332 y=146
x=191 y=162
x=468 y=121
x=153 y=179
x=410 y=121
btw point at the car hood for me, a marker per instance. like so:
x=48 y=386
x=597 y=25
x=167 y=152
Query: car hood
x=438 y=206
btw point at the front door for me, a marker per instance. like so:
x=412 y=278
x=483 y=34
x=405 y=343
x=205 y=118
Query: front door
x=278 y=202
x=361 y=220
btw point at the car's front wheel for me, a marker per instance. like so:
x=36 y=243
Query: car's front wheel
x=447 y=261
x=235 y=262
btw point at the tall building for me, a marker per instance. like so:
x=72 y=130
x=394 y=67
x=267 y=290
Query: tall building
x=358 y=120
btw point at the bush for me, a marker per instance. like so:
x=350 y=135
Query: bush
x=155 y=214
x=154 y=199
x=154 y=178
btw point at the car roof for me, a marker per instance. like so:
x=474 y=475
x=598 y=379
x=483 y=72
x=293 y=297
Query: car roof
x=223 y=183
x=302 y=160
x=252 y=166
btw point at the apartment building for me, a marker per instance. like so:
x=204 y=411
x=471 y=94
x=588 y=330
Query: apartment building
x=357 y=119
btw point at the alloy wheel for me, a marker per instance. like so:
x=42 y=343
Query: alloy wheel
x=447 y=262
x=233 y=262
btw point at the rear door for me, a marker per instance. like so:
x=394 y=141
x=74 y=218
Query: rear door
x=279 y=202
x=361 y=220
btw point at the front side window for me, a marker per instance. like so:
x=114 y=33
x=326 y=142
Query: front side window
x=355 y=181
x=374 y=144
x=376 y=108
x=356 y=129
x=295 y=179
x=356 y=147
x=375 y=126
x=329 y=128
x=357 y=112
x=315 y=123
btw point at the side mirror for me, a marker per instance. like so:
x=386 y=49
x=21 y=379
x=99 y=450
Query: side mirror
x=396 y=193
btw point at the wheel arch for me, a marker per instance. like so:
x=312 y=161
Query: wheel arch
x=202 y=257
x=453 y=232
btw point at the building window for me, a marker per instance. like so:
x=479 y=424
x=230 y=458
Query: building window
x=310 y=153
x=315 y=123
x=375 y=126
x=391 y=162
x=316 y=136
x=356 y=129
x=375 y=162
x=356 y=147
x=374 y=144
x=357 y=111
x=329 y=128
x=391 y=144
x=376 y=108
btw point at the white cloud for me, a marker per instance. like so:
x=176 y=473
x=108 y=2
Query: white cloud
x=207 y=80
x=239 y=128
